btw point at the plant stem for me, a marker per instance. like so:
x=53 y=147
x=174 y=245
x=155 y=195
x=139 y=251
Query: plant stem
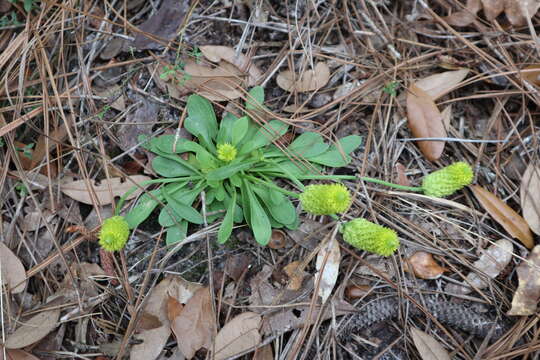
x=134 y=188
x=272 y=186
x=363 y=178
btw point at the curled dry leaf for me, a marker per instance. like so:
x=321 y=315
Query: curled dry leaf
x=238 y=335
x=440 y=84
x=194 y=327
x=327 y=264
x=309 y=80
x=356 y=291
x=510 y=220
x=13 y=273
x=428 y=347
x=216 y=53
x=154 y=339
x=517 y=11
x=106 y=191
x=425 y=121
x=527 y=294
x=424 y=266
x=493 y=260
x=530 y=197
x=296 y=275
x=34 y=329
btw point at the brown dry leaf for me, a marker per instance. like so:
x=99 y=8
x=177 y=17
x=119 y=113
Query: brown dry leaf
x=530 y=196
x=465 y=17
x=527 y=294
x=308 y=81
x=510 y=220
x=493 y=260
x=424 y=266
x=34 y=329
x=13 y=273
x=428 y=347
x=237 y=264
x=194 y=327
x=174 y=308
x=163 y=25
x=425 y=120
x=531 y=73
x=238 y=335
x=264 y=353
x=15 y=354
x=153 y=340
x=447 y=116
x=148 y=322
x=157 y=305
x=296 y=275
x=327 y=264
x=401 y=177
x=217 y=54
x=114 y=93
x=440 y=84
x=56 y=137
x=114 y=186
x=517 y=11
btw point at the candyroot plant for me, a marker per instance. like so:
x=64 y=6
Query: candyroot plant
x=236 y=165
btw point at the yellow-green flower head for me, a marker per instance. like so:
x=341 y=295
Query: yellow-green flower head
x=325 y=199
x=365 y=235
x=448 y=180
x=114 y=233
x=226 y=152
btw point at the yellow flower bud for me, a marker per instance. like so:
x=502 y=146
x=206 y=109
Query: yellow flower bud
x=325 y=199
x=448 y=180
x=114 y=233
x=226 y=152
x=365 y=235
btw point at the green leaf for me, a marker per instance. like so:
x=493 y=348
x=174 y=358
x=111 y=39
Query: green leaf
x=225 y=128
x=227 y=171
x=259 y=222
x=169 y=168
x=145 y=205
x=283 y=212
x=221 y=193
x=167 y=217
x=239 y=129
x=255 y=98
x=201 y=120
x=334 y=156
x=226 y=227
x=206 y=160
x=235 y=180
x=308 y=144
x=176 y=233
x=181 y=209
x=170 y=144
x=265 y=135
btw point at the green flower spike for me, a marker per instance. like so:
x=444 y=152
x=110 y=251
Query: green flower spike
x=448 y=180
x=114 y=233
x=325 y=199
x=365 y=235
x=226 y=152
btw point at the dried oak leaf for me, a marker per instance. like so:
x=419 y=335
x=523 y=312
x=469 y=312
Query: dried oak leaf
x=440 y=84
x=13 y=273
x=106 y=191
x=194 y=327
x=425 y=121
x=34 y=329
x=510 y=220
x=530 y=197
x=428 y=347
x=309 y=80
x=238 y=335
x=527 y=294
x=424 y=266
x=493 y=260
